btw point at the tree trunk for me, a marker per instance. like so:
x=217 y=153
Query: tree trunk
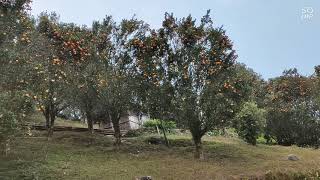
x=90 y=125
x=47 y=122
x=117 y=133
x=51 y=122
x=164 y=134
x=158 y=130
x=47 y=116
x=199 y=152
x=90 y=122
x=115 y=119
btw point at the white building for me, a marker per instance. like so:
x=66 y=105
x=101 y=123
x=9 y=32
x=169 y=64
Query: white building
x=128 y=122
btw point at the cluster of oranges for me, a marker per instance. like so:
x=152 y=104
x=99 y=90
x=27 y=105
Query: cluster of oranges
x=138 y=43
x=57 y=35
x=205 y=61
x=218 y=62
x=56 y=61
x=211 y=71
x=25 y=38
x=75 y=48
x=228 y=86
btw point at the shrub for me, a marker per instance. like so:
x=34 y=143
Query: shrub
x=251 y=121
x=14 y=108
x=154 y=123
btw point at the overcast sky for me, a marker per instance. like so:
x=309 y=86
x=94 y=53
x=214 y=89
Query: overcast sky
x=269 y=36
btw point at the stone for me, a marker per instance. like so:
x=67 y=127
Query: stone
x=293 y=157
x=144 y=178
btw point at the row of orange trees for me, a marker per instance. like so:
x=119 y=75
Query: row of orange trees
x=185 y=70
x=181 y=70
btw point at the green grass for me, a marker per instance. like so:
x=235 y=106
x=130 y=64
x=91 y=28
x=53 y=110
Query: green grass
x=70 y=155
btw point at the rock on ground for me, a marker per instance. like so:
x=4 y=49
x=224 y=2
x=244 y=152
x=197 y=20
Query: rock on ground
x=144 y=178
x=293 y=157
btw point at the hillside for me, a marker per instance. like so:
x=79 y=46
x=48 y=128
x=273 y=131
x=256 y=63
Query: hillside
x=83 y=156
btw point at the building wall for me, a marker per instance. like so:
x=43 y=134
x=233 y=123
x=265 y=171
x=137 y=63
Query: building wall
x=136 y=122
x=129 y=122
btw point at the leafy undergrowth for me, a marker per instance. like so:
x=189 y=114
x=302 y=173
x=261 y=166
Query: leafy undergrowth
x=70 y=155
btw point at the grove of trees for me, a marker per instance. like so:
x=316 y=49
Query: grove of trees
x=185 y=71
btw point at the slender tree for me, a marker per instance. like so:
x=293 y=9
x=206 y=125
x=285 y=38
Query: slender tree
x=117 y=79
x=156 y=91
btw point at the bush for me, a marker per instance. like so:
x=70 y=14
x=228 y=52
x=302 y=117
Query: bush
x=251 y=121
x=14 y=108
x=154 y=123
x=8 y=125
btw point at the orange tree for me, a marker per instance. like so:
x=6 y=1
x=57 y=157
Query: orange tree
x=292 y=112
x=195 y=61
x=72 y=67
x=152 y=59
x=201 y=62
x=14 y=22
x=44 y=72
x=250 y=91
x=316 y=89
x=14 y=107
x=80 y=49
x=116 y=75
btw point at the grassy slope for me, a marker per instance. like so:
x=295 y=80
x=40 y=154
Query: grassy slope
x=82 y=156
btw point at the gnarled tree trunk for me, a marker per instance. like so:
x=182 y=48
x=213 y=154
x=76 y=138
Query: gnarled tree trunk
x=117 y=133
x=90 y=122
x=50 y=116
x=115 y=118
x=199 y=152
x=47 y=116
x=52 y=120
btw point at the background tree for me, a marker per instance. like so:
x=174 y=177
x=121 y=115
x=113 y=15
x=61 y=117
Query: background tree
x=316 y=89
x=249 y=88
x=251 y=122
x=292 y=113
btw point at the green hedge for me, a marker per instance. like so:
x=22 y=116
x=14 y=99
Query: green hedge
x=154 y=123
